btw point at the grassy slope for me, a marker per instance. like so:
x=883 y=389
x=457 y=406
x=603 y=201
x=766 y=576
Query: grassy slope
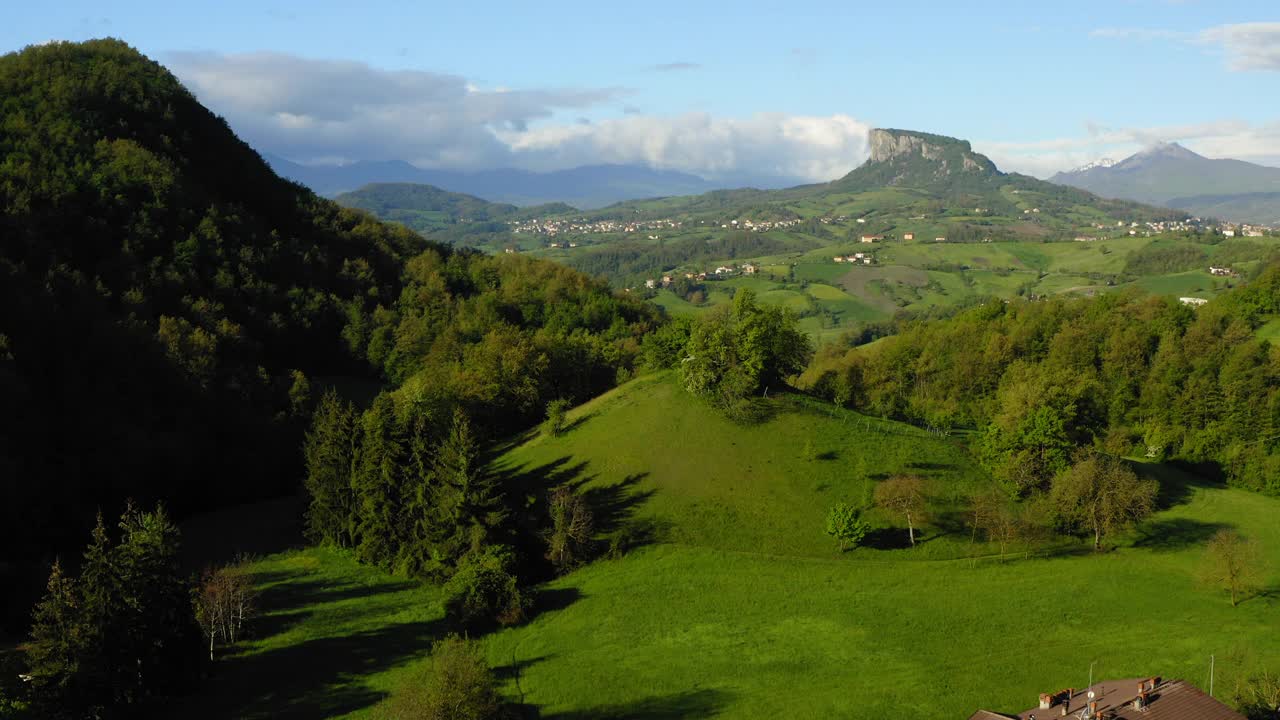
x=746 y=611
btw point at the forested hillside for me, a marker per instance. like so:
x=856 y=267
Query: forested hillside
x=172 y=309
x=1135 y=374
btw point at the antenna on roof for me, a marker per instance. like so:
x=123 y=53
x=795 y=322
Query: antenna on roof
x=1210 y=676
x=1090 y=685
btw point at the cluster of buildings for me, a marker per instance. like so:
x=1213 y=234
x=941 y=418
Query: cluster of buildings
x=720 y=273
x=856 y=259
x=761 y=226
x=581 y=226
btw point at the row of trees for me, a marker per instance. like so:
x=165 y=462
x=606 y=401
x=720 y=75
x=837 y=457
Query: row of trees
x=119 y=634
x=1133 y=374
x=404 y=486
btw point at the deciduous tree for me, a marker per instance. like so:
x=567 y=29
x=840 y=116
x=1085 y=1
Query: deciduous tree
x=1099 y=495
x=904 y=495
x=1233 y=563
x=845 y=524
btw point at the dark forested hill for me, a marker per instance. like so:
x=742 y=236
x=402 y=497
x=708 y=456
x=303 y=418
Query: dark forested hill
x=170 y=308
x=163 y=297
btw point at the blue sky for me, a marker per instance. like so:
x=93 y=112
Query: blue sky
x=748 y=88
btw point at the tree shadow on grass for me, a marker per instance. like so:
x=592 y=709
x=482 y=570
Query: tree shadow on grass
x=689 y=704
x=322 y=677
x=283 y=603
x=1179 y=480
x=888 y=539
x=613 y=507
x=1176 y=534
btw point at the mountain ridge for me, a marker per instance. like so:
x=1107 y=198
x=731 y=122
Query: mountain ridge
x=1171 y=175
x=586 y=186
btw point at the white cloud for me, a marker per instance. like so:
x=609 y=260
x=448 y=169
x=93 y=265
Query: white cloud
x=325 y=110
x=1248 y=46
x=766 y=144
x=306 y=109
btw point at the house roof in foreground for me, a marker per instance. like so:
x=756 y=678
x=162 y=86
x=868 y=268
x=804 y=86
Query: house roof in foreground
x=1167 y=700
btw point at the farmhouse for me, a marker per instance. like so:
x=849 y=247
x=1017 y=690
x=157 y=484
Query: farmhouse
x=750 y=269
x=908 y=236
x=871 y=238
x=838 y=258
x=1223 y=271
x=1148 y=698
x=1195 y=301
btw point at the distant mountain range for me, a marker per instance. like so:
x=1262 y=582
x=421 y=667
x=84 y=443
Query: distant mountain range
x=589 y=186
x=1171 y=175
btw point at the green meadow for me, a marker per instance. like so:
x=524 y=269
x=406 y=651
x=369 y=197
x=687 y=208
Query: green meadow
x=739 y=606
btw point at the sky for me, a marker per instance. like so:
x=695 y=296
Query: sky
x=728 y=91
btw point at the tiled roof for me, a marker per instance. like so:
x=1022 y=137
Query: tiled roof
x=1169 y=700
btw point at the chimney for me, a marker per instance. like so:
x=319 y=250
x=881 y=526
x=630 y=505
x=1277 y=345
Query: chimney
x=1046 y=701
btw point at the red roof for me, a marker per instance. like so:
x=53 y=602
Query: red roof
x=1169 y=700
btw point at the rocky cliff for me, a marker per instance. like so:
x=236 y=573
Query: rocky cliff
x=888 y=146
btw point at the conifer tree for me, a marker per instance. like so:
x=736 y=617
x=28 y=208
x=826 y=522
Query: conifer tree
x=160 y=634
x=417 y=553
x=468 y=500
x=56 y=646
x=100 y=665
x=378 y=483
x=329 y=451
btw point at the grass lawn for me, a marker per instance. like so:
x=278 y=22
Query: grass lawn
x=742 y=608
x=1270 y=331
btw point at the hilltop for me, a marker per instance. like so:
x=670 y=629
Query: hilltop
x=1169 y=174
x=449 y=216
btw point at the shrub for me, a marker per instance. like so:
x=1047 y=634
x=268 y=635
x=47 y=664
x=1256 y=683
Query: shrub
x=455 y=684
x=554 y=424
x=484 y=591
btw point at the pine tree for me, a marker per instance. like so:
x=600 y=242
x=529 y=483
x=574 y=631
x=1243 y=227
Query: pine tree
x=161 y=636
x=468 y=500
x=101 y=665
x=57 y=645
x=417 y=553
x=378 y=484
x=330 y=451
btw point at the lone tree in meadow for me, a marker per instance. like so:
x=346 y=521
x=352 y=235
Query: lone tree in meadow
x=1233 y=563
x=455 y=684
x=1100 y=495
x=903 y=495
x=998 y=519
x=845 y=524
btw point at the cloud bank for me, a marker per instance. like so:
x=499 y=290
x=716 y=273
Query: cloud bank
x=313 y=110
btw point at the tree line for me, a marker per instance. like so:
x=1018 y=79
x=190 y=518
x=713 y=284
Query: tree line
x=1132 y=374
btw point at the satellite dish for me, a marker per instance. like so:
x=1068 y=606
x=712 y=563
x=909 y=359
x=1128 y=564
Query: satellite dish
x=1092 y=695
